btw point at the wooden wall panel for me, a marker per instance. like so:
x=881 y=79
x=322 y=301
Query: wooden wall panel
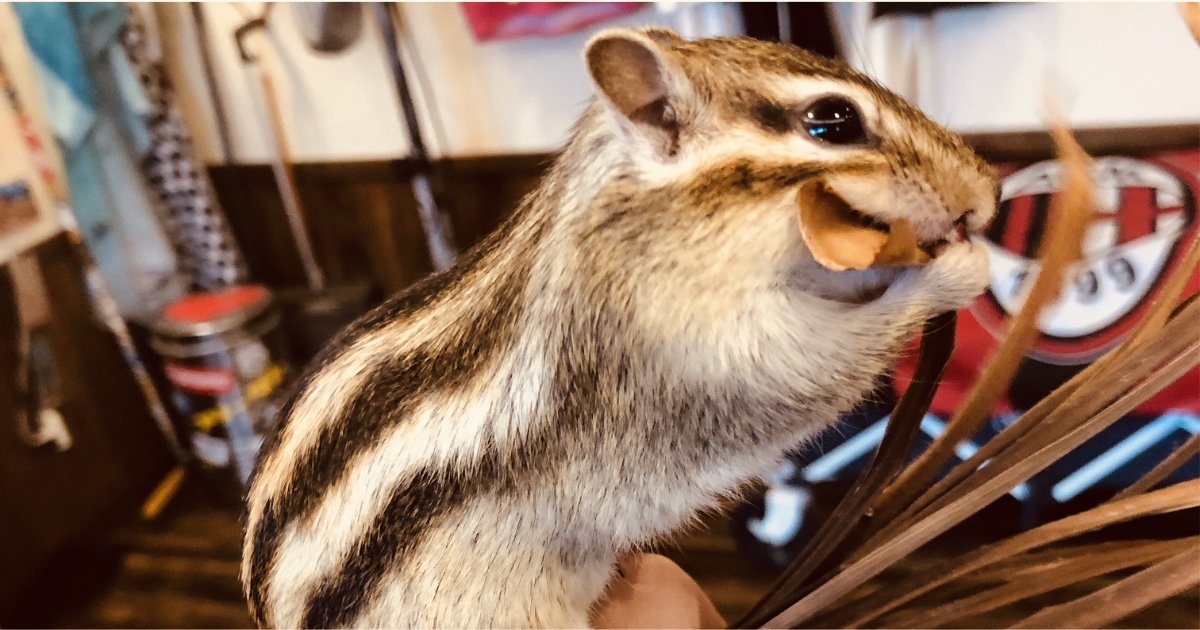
x=50 y=498
x=362 y=217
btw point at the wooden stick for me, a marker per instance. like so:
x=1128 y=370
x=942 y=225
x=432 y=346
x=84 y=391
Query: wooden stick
x=163 y=493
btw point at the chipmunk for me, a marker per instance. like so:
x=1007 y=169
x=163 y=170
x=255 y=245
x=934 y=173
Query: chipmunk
x=645 y=334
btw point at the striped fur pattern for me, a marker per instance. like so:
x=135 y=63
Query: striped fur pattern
x=645 y=334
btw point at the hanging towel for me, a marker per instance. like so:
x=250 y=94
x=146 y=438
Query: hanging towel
x=509 y=20
x=197 y=227
x=97 y=111
x=50 y=33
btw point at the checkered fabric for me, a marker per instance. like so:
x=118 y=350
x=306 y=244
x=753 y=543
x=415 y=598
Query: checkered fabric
x=194 y=222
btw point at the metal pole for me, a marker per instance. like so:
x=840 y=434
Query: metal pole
x=438 y=234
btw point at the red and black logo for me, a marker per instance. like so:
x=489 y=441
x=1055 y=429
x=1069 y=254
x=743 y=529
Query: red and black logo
x=1145 y=219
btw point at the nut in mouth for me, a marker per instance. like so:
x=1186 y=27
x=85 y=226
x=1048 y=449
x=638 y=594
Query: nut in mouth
x=842 y=237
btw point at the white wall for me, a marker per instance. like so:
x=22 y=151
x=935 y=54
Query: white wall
x=516 y=96
x=986 y=68
x=977 y=69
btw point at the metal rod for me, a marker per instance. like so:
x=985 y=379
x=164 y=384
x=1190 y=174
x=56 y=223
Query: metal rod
x=785 y=22
x=438 y=234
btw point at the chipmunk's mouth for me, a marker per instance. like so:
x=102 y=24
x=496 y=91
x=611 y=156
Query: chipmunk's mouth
x=959 y=233
x=843 y=237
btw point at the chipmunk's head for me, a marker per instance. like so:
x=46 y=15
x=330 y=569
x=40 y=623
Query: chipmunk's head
x=726 y=131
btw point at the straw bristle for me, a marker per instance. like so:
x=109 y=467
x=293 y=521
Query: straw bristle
x=893 y=510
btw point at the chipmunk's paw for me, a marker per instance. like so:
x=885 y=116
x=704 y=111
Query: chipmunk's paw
x=951 y=281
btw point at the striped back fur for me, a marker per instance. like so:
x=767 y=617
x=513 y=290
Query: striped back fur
x=646 y=333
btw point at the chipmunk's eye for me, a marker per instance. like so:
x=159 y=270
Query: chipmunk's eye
x=834 y=120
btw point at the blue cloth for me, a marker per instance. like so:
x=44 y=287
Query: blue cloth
x=49 y=29
x=96 y=108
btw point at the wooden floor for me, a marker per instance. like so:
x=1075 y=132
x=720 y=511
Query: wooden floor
x=178 y=572
x=181 y=572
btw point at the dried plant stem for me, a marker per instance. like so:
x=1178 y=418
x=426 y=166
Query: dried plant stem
x=1077 y=417
x=983 y=488
x=1159 y=311
x=1156 y=583
x=1177 y=497
x=1026 y=581
x=1070 y=216
x=1179 y=457
x=895 y=546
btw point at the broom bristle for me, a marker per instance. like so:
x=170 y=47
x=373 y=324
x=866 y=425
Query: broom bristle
x=893 y=510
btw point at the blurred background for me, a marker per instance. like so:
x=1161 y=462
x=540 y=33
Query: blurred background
x=195 y=196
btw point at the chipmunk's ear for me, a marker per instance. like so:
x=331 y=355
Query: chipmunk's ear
x=632 y=73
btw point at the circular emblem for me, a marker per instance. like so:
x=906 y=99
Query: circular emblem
x=1145 y=217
